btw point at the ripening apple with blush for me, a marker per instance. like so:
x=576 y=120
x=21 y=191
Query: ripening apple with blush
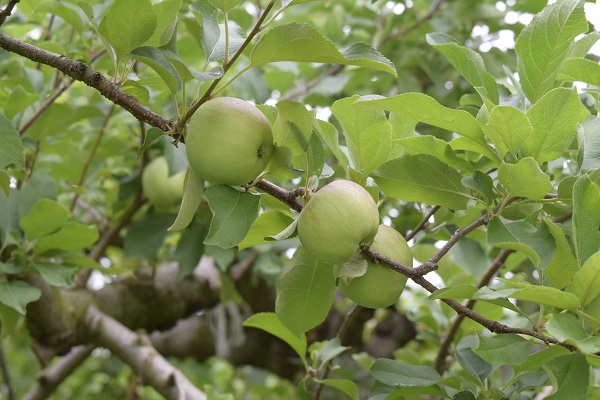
x=381 y=286
x=337 y=220
x=229 y=141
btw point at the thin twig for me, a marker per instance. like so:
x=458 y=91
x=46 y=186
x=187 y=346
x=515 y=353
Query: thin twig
x=422 y=224
x=7 y=10
x=435 y=7
x=92 y=154
x=288 y=197
x=48 y=380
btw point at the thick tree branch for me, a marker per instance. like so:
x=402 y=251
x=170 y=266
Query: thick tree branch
x=82 y=72
x=48 y=380
x=136 y=351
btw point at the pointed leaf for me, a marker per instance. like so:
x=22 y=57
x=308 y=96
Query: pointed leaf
x=422 y=179
x=545 y=42
x=432 y=146
x=467 y=61
x=128 y=24
x=193 y=194
x=397 y=374
x=586 y=281
x=571 y=377
x=17 y=294
x=305 y=292
x=586 y=218
x=524 y=179
x=45 y=217
x=11 y=151
x=367 y=131
x=589 y=142
x=56 y=274
x=269 y=322
x=166 y=14
x=343 y=385
x=580 y=69
x=564 y=263
x=233 y=214
x=71 y=237
x=267 y=224
x=425 y=109
x=507 y=127
x=540 y=294
x=505 y=349
x=159 y=63
x=303 y=43
x=554 y=119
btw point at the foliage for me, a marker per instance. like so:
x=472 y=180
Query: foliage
x=484 y=154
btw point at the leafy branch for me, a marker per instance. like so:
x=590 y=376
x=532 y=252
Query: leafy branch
x=82 y=72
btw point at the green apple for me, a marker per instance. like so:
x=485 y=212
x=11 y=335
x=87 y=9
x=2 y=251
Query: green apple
x=228 y=141
x=337 y=219
x=381 y=286
x=162 y=190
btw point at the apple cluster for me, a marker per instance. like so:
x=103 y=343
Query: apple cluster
x=340 y=218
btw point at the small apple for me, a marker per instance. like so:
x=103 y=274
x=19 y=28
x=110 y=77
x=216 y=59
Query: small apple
x=228 y=141
x=162 y=190
x=380 y=286
x=337 y=219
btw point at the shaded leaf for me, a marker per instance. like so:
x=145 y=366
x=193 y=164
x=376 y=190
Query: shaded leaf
x=396 y=374
x=586 y=218
x=503 y=349
x=269 y=322
x=17 y=294
x=193 y=194
x=11 y=151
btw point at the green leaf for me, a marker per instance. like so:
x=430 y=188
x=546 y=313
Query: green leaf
x=470 y=361
x=503 y=349
x=482 y=183
x=128 y=24
x=40 y=185
x=160 y=64
x=398 y=374
x=269 y=322
x=524 y=179
x=432 y=146
x=537 y=244
x=537 y=360
x=166 y=22
x=63 y=11
x=586 y=281
x=554 y=119
x=589 y=144
x=586 y=218
x=353 y=268
x=17 y=294
x=343 y=385
x=233 y=214
x=303 y=43
x=9 y=319
x=545 y=42
x=293 y=129
x=464 y=291
x=18 y=100
x=225 y=5
x=193 y=194
x=329 y=351
x=564 y=263
x=564 y=326
x=507 y=127
x=191 y=247
x=305 y=292
x=11 y=151
x=266 y=225
x=467 y=61
x=72 y=236
x=580 y=69
x=570 y=375
x=45 y=217
x=315 y=156
x=56 y=274
x=328 y=132
x=540 y=294
x=9 y=215
x=152 y=136
x=145 y=236
x=423 y=179
x=367 y=131
x=5 y=183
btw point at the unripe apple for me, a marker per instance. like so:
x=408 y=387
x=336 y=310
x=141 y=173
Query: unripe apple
x=162 y=190
x=337 y=219
x=381 y=286
x=228 y=141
